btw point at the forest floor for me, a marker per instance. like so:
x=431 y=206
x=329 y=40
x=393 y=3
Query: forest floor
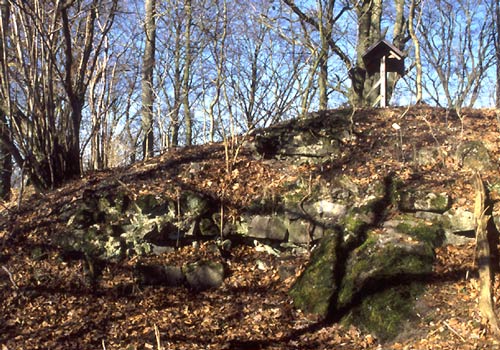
x=47 y=301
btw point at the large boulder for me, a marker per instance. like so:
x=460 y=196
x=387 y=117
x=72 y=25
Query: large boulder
x=373 y=284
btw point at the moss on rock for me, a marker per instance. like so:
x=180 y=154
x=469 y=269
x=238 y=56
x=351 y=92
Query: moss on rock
x=422 y=231
x=383 y=277
x=313 y=290
x=385 y=313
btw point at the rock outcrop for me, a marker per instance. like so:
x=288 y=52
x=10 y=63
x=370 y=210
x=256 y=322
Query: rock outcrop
x=374 y=245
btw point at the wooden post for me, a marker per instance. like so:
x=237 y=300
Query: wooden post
x=383 y=83
x=486 y=304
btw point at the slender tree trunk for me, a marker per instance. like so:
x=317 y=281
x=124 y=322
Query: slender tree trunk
x=401 y=37
x=324 y=33
x=147 y=79
x=5 y=155
x=177 y=88
x=416 y=44
x=187 y=75
x=323 y=79
x=219 y=56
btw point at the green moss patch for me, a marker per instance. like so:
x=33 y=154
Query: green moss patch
x=385 y=313
x=383 y=277
x=313 y=290
x=421 y=230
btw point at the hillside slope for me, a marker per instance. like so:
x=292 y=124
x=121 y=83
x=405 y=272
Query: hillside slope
x=49 y=301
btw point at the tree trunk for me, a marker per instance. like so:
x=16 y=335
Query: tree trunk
x=369 y=18
x=324 y=33
x=416 y=44
x=323 y=79
x=177 y=89
x=5 y=155
x=147 y=79
x=486 y=306
x=497 y=51
x=401 y=37
x=72 y=166
x=187 y=74
x=5 y=160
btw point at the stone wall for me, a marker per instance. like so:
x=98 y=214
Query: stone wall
x=373 y=247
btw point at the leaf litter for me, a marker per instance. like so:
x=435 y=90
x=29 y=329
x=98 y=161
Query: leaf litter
x=48 y=301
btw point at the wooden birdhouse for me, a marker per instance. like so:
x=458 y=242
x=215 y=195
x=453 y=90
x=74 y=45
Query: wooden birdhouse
x=383 y=57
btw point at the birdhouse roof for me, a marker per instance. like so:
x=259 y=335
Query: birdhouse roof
x=394 y=57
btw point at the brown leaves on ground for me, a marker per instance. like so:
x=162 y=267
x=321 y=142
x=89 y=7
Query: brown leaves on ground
x=48 y=301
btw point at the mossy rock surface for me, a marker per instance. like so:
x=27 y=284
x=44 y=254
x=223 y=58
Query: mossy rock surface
x=386 y=274
x=372 y=284
x=432 y=233
x=314 y=289
x=419 y=200
x=312 y=140
x=193 y=204
x=384 y=261
x=152 y=205
x=386 y=313
x=208 y=228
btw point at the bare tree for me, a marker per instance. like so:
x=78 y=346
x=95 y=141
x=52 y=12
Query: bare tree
x=47 y=69
x=414 y=4
x=368 y=14
x=458 y=48
x=178 y=88
x=251 y=68
x=112 y=124
x=107 y=95
x=213 y=69
x=323 y=23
